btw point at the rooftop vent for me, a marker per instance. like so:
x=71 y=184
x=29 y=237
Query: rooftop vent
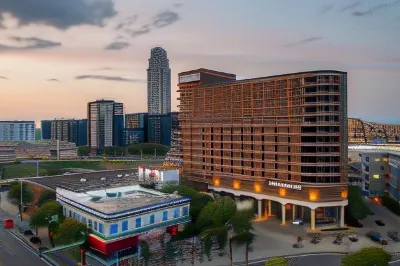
x=83 y=180
x=103 y=179
x=126 y=175
x=119 y=175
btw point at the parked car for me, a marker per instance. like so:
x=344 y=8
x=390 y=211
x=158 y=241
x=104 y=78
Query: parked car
x=353 y=238
x=26 y=231
x=376 y=237
x=395 y=236
x=298 y=221
x=380 y=222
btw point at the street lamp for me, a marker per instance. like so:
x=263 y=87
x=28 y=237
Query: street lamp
x=20 y=208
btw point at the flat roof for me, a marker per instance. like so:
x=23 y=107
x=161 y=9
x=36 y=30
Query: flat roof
x=210 y=71
x=120 y=201
x=274 y=76
x=94 y=180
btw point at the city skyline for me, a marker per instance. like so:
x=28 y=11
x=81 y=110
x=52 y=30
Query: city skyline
x=73 y=61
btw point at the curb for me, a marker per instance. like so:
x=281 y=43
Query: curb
x=26 y=246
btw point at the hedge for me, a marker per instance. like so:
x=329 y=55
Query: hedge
x=367 y=257
x=391 y=203
x=276 y=262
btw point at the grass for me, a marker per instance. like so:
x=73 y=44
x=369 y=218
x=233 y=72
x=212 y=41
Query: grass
x=59 y=167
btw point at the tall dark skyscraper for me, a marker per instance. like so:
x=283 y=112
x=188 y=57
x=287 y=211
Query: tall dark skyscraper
x=105 y=124
x=158 y=83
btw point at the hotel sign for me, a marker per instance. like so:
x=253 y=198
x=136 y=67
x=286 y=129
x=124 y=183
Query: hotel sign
x=284 y=185
x=189 y=78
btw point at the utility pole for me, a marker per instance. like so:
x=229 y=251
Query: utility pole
x=37 y=168
x=141 y=155
x=20 y=209
x=155 y=153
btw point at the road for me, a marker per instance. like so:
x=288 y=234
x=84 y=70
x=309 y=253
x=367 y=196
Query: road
x=326 y=260
x=12 y=253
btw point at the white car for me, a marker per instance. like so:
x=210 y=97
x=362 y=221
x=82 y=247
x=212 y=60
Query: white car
x=298 y=221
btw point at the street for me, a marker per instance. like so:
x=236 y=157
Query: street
x=12 y=253
x=326 y=260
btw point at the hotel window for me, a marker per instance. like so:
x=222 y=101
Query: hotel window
x=113 y=229
x=152 y=219
x=124 y=225
x=176 y=212
x=165 y=215
x=90 y=225
x=101 y=228
x=185 y=211
x=138 y=222
x=95 y=226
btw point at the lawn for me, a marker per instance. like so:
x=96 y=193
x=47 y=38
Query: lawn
x=59 y=167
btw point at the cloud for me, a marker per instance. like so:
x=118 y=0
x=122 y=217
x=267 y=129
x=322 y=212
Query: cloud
x=53 y=80
x=129 y=21
x=105 y=68
x=326 y=8
x=1 y=77
x=61 y=14
x=30 y=43
x=110 y=78
x=165 y=18
x=177 y=4
x=312 y=39
x=373 y=9
x=117 y=46
x=141 y=31
x=350 y=6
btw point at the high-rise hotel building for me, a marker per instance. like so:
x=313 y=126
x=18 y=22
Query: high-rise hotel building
x=105 y=125
x=281 y=140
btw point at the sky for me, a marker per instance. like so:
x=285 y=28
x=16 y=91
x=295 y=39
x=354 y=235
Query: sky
x=57 y=55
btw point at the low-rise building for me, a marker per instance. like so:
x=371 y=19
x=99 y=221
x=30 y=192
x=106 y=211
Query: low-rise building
x=118 y=217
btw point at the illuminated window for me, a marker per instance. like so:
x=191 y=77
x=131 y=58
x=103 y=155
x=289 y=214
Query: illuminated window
x=375 y=176
x=377 y=160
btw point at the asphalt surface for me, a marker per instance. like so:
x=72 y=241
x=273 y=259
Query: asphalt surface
x=12 y=253
x=325 y=260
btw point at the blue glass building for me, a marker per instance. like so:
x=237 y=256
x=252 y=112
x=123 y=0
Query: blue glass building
x=46 y=129
x=133 y=136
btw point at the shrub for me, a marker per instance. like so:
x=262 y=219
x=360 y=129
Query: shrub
x=357 y=208
x=276 y=262
x=366 y=257
x=391 y=203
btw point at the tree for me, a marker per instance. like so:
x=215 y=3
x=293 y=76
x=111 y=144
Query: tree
x=145 y=252
x=70 y=231
x=148 y=149
x=357 y=208
x=113 y=151
x=14 y=194
x=276 y=262
x=391 y=203
x=83 y=150
x=3 y=172
x=366 y=257
x=42 y=215
x=46 y=196
x=221 y=222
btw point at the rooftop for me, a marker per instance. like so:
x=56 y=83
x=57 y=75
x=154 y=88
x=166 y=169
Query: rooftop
x=83 y=182
x=119 y=201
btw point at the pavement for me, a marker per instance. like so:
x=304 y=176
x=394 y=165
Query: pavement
x=14 y=253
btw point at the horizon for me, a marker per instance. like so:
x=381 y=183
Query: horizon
x=53 y=68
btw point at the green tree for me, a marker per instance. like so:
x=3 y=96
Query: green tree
x=46 y=196
x=70 y=231
x=3 y=172
x=14 y=194
x=148 y=149
x=83 y=150
x=367 y=257
x=357 y=208
x=221 y=220
x=42 y=215
x=113 y=151
x=276 y=262
x=145 y=252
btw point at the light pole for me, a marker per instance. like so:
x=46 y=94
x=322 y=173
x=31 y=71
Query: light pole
x=20 y=208
x=141 y=155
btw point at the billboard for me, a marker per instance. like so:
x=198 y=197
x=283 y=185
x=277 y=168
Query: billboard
x=189 y=78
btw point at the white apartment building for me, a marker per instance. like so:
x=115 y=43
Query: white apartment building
x=17 y=131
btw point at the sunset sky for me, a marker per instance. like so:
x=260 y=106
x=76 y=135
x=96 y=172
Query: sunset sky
x=57 y=55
